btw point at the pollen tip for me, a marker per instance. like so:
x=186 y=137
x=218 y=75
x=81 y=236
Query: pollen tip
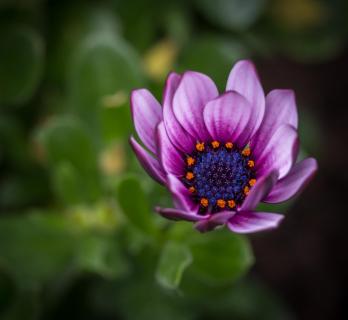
x=251 y=163
x=246 y=190
x=190 y=161
x=215 y=144
x=221 y=203
x=189 y=175
x=231 y=203
x=192 y=189
x=204 y=202
x=229 y=145
x=252 y=182
x=200 y=146
x=246 y=152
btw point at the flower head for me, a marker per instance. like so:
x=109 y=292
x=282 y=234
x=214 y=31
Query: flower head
x=220 y=155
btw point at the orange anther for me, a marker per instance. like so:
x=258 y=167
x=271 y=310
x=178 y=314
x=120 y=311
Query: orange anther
x=215 y=144
x=229 y=145
x=192 y=189
x=190 y=161
x=221 y=203
x=246 y=152
x=189 y=175
x=204 y=202
x=252 y=182
x=251 y=163
x=246 y=190
x=231 y=203
x=200 y=146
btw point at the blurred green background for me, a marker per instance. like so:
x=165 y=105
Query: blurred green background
x=78 y=235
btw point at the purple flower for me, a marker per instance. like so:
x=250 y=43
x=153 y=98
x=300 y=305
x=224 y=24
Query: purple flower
x=220 y=155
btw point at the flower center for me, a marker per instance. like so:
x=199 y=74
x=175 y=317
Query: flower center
x=219 y=176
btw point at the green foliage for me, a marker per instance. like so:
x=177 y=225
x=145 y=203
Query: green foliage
x=175 y=258
x=102 y=67
x=134 y=204
x=72 y=156
x=231 y=14
x=21 y=64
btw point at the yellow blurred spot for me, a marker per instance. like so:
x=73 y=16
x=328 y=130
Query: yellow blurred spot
x=113 y=159
x=299 y=14
x=115 y=100
x=192 y=189
x=101 y=216
x=159 y=60
x=252 y=182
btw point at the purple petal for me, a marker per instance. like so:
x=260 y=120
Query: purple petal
x=177 y=134
x=149 y=163
x=279 y=153
x=181 y=196
x=172 y=161
x=214 y=220
x=280 y=109
x=176 y=214
x=262 y=187
x=147 y=113
x=294 y=182
x=243 y=78
x=194 y=91
x=250 y=221
x=227 y=117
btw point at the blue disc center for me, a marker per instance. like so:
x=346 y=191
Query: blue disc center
x=221 y=174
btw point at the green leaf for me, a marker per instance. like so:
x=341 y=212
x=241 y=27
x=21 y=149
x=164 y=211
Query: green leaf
x=101 y=255
x=21 y=64
x=38 y=248
x=103 y=67
x=231 y=14
x=66 y=183
x=220 y=256
x=141 y=298
x=134 y=203
x=35 y=248
x=175 y=258
x=73 y=160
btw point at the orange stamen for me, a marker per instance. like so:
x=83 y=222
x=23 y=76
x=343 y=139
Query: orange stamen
x=246 y=190
x=192 y=189
x=190 y=161
x=189 y=175
x=229 y=145
x=221 y=203
x=246 y=152
x=252 y=182
x=231 y=203
x=200 y=146
x=215 y=144
x=204 y=202
x=251 y=163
